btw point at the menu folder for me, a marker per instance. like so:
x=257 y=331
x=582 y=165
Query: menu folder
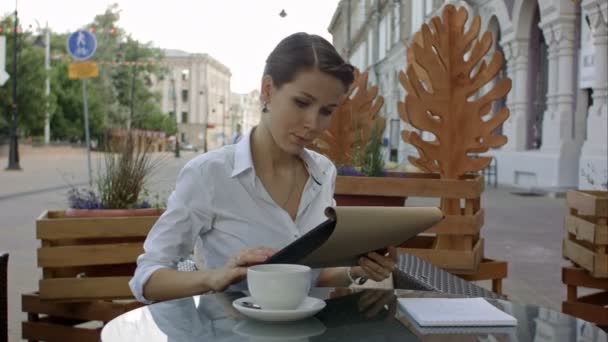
x=351 y=232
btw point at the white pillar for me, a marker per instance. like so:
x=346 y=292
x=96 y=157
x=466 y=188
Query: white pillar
x=593 y=171
x=515 y=128
x=558 y=118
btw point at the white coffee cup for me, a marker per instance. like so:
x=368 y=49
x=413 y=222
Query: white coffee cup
x=279 y=286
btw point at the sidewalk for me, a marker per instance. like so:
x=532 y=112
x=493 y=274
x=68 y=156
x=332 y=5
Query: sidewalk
x=46 y=167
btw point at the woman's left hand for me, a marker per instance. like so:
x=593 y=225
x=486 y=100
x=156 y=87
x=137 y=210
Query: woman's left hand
x=375 y=266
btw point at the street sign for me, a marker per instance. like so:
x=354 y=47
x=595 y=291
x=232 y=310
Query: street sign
x=80 y=70
x=3 y=74
x=81 y=45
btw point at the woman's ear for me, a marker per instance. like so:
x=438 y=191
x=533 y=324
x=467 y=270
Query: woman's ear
x=266 y=89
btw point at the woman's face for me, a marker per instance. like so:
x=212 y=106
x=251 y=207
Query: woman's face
x=300 y=110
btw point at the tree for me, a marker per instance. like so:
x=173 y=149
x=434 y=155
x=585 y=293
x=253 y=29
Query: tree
x=31 y=102
x=67 y=121
x=125 y=85
x=110 y=94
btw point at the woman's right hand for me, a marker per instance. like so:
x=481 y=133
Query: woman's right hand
x=235 y=269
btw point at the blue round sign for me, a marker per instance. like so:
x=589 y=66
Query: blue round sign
x=81 y=45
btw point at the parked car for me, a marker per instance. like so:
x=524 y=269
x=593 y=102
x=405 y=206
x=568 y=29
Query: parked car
x=188 y=147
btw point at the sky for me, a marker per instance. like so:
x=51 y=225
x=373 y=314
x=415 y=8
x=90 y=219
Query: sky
x=238 y=33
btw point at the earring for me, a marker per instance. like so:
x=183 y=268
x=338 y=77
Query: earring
x=264 y=107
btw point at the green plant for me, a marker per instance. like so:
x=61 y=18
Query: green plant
x=123 y=178
x=157 y=201
x=372 y=158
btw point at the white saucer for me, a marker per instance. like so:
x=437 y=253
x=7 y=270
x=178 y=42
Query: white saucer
x=287 y=331
x=308 y=308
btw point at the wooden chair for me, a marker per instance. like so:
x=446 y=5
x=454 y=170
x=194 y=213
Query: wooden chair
x=414 y=273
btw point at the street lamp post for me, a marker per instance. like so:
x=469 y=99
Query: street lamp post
x=13 y=155
x=133 y=79
x=174 y=97
x=45 y=43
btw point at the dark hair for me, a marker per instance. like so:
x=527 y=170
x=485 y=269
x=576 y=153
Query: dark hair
x=301 y=51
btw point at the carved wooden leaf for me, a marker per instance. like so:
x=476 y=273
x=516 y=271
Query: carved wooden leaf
x=352 y=123
x=437 y=99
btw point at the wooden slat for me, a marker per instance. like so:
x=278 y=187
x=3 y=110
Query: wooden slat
x=588 y=312
x=459 y=224
x=58 y=333
x=86 y=288
x=93 y=228
x=593 y=203
x=586 y=230
x=599 y=298
x=488 y=269
x=411 y=186
x=595 y=263
x=47 y=273
x=579 y=277
x=93 y=271
x=457 y=261
x=91 y=311
x=112 y=254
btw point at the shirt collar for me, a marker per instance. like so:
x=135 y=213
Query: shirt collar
x=242 y=155
x=243 y=160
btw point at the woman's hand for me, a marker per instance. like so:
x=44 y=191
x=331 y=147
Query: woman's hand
x=235 y=269
x=373 y=302
x=375 y=266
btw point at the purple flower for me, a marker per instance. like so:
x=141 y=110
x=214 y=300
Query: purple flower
x=142 y=205
x=83 y=199
x=349 y=171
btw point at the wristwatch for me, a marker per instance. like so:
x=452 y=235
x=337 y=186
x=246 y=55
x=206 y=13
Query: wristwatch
x=358 y=281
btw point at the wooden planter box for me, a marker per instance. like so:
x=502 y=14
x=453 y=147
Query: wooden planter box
x=89 y=258
x=453 y=261
x=467 y=225
x=591 y=307
x=364 y=191
x=411 y=185
x=492 y=270
x=586 y=225
x=590 y=203
x=59 y=322
x=584 y=255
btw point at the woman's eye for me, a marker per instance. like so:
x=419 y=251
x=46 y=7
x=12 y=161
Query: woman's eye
x=300 y=103
x=325 y=112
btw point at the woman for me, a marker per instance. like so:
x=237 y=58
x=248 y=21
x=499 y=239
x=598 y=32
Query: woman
x=248 y=200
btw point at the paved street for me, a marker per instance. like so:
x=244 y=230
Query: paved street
x=525 y=231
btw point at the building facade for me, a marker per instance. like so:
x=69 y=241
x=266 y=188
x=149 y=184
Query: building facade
x=196 y=92
x=246 y=109
x=556 y=55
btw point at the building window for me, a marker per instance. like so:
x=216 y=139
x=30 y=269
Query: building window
x=172 y=114
x=185 y=74
x=185 y=95
x=184 y=117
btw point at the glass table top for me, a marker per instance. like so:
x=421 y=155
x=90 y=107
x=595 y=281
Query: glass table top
x=350 y=315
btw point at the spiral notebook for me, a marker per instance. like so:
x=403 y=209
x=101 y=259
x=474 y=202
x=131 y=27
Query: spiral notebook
x=455 y=312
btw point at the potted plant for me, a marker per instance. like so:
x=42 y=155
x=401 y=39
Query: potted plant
x=89 y=251
x=439 y=82
x=120 y=187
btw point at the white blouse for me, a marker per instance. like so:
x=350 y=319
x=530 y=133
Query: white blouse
x=219 y=198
